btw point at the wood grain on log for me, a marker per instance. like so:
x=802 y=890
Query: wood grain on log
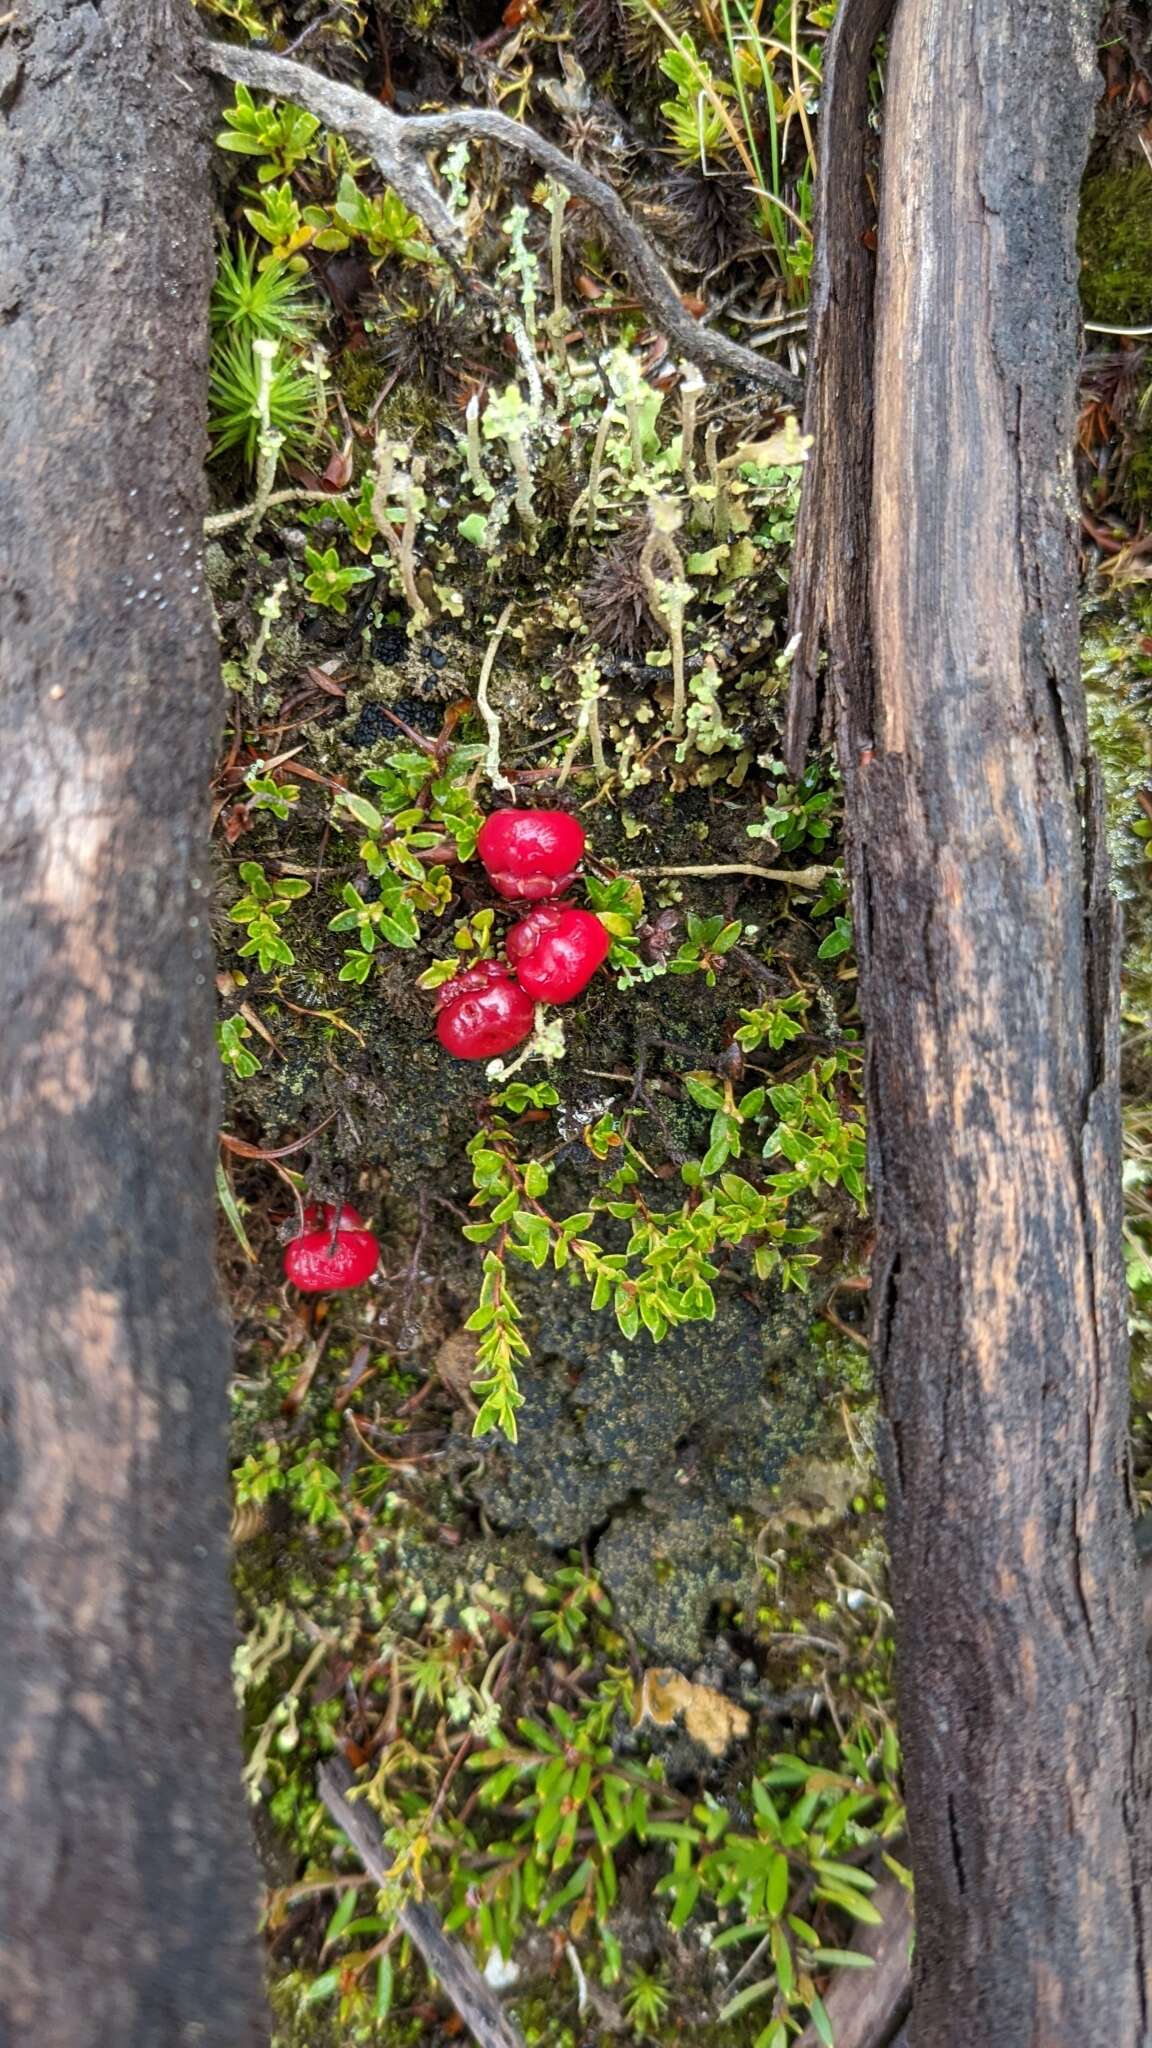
x=988 y=951
x=128 y=1890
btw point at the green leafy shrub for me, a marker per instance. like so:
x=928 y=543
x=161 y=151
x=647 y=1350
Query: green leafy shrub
x=232 y=1035
x=262 y=910
x=810 y=1826
x=803 y=815
x=424 y=806
x=381 y=220
x=664 y=1275
x=281 y=134
x=329 y=580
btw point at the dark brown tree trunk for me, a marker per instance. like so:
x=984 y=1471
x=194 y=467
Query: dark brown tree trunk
x=938 y=568
x=127 y=1886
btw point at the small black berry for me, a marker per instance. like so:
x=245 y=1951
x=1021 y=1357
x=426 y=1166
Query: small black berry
x=372 y=725
x=390 y=646
x=422 y=714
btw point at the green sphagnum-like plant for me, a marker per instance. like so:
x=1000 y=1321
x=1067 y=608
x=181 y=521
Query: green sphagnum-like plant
x=234 y=393
x=253 y=298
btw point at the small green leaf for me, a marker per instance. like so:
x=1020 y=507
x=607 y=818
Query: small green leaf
x=364 y=813
x=777 y=1893
x=345 y=1912
x=838 y=941
x=627 y=1313
x=703 y=1092
x=751 y=1995
x=357 y=967
x=818 y=2015
x=383 y=2004
x=231 y=1210
x=687 y=1894
x=851 y=1903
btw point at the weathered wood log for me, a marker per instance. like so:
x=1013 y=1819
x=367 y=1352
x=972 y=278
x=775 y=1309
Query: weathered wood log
x=988 y=952
x=127 y=1885
x=871 y=2012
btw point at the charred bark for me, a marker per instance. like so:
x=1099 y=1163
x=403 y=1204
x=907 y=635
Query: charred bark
x=127 y=1886
x=937 y=568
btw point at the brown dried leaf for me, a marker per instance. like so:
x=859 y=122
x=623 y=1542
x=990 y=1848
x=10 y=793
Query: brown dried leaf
x=338 y=474
x=321 y=680
x=248 y=1522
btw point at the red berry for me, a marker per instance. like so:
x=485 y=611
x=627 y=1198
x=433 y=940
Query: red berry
x=483 y=1012
x=556 y=952
x=314 y=1268
x=531 y=855
x=470 y=981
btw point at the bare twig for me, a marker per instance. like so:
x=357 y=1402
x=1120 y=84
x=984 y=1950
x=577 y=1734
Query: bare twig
x=812 y=879
x=246 y=1151
x=448 y=1962
x=313 y=28
x=396 y=143
x=219 y=522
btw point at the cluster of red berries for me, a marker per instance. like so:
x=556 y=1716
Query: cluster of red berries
x=552 y=954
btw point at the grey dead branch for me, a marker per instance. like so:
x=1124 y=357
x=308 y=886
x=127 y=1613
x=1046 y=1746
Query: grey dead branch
x=447 y=1961
x=398 y=145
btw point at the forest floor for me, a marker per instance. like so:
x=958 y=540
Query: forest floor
x=619 y=1688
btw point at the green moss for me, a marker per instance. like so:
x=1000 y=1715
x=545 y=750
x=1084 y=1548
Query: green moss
x=360 y=378
x=1115 y=244
x=1117 y=678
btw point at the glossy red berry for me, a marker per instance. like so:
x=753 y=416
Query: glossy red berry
x=469 y=981
x=556 y=951
x=531 y=855
x=317 y=1265
x=483 y=1012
